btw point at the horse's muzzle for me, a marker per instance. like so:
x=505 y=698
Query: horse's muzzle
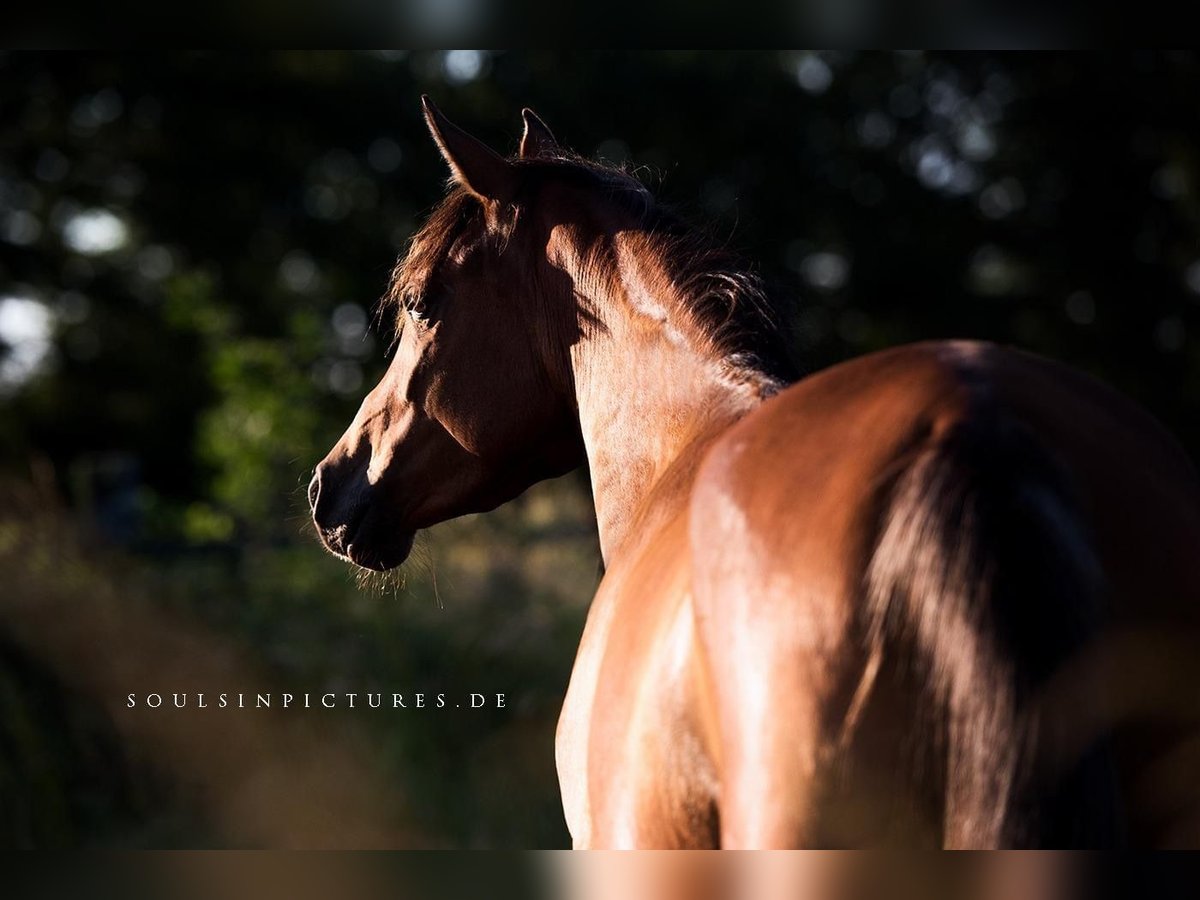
x=336 y=512
x=343 y=518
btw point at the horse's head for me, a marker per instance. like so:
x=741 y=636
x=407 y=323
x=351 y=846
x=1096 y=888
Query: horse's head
x=468 y=414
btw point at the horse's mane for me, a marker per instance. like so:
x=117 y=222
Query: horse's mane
x=725 y=300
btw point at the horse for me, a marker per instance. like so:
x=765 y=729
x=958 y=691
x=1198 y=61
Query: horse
x=940 y=595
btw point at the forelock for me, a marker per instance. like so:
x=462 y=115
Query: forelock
x=456 y=221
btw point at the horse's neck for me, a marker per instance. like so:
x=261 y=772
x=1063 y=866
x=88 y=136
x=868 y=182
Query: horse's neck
x=651 y=397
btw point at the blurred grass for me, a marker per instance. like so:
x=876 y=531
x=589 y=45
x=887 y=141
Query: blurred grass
x=85 y=626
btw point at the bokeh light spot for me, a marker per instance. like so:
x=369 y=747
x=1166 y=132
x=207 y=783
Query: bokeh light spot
x=463 y=66
x=94 y=232
x=52 y=166
x=876 y=129
x=349 y=321
x=298 y=272
x=826 y=270
x=1001 y=199
x=813 y=74
x=26 y=329
x=1081 y=308
x=384 y=155
x=21 y=227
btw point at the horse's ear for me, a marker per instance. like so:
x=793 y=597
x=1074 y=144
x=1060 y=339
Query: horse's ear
x=538 y=139
x=476 y=166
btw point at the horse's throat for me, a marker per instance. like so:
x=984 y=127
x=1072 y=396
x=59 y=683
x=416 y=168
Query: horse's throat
x=645 y=432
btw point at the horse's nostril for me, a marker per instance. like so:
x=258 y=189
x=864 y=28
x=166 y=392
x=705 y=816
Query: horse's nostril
x=314 y=490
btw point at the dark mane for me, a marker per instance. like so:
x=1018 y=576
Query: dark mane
x=724 y=299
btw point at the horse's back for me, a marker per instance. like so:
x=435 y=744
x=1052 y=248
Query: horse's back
x=896 y=474
x=823 y=449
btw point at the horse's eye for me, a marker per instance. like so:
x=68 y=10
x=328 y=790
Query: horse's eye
x=418 y=315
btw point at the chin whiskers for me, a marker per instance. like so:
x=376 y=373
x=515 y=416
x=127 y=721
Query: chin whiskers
x=381 y=583
x=413 y=577
x=422 y=558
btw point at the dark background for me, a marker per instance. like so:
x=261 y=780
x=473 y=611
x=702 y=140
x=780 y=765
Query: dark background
x=191 y=247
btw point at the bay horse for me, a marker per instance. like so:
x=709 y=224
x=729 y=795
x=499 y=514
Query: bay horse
x=942 y=595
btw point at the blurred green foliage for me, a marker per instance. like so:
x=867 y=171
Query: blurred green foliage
x=190 y=250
